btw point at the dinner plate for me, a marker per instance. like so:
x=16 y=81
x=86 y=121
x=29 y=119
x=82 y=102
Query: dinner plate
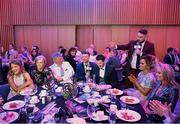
x=129 y=99
x=106 y=100
x=76 y=120
x=128 y=115
x=34 y=101
x=44 y=87
x=28 y=91
x=96 y=117
x=114 y=91
x=13 y=105
x=102 y=87
x=8 y=117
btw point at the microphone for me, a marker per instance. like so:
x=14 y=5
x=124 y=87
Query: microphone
x=137 y=45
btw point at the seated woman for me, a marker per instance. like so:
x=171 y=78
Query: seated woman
x=165 y=91
x=18 y=78
x=143 y=84
x=40 y=74
x=71 y=57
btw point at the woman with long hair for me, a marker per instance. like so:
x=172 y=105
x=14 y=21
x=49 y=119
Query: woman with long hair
x=18 y=78
x=71 y=57
x=166 y=91
x=145 y=80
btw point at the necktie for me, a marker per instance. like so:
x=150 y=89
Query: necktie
x=138 y=56
x=62 y=71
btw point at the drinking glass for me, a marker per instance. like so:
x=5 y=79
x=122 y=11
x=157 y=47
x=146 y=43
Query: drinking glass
x=90 y=111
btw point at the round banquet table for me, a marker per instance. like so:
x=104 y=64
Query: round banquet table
x=60 y=102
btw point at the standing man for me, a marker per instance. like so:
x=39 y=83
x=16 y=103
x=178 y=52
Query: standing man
x=136 y=49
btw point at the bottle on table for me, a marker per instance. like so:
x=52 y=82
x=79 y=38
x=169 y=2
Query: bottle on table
x=112 y=117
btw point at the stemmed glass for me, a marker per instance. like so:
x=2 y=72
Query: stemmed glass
x=80 y=85
x=30 y=111
x=113 y=99
x=90 y=110
x=27 y=99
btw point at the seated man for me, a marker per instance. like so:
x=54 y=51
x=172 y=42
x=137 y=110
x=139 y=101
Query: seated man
x=62 y=70
x=106 y=73
x=85 y=69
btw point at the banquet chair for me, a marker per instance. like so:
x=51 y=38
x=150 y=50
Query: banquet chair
x=4 y=91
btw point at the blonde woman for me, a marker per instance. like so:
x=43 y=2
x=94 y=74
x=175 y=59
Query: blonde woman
x=18 y=78
x=166 y=91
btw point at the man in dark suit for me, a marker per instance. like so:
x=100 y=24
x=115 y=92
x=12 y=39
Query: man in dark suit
x=169 y=57
x=106 y=73
x=85 y=69
x=136 y=49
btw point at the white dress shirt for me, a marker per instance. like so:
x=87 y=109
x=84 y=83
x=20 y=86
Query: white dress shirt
x=134 y=57
x=102 y=72
x=65 y=71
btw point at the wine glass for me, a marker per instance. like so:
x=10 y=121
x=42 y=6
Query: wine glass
x=30 y=111
x=80 y=85
x=90 y=111
x=113 y=99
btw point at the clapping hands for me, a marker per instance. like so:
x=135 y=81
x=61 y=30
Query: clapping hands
x=132 y=78
x=160 y=109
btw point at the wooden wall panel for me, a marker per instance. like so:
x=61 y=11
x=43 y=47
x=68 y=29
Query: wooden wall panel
x=120 y=34
x=66 y=36
x=32 y=36
x=158 y=35
x=85 y=36
x=173 y=37
x=48 y=41
x=102 y=36
x=48 y=38
x=51 y=37
x=27 y=36
x=19 y=37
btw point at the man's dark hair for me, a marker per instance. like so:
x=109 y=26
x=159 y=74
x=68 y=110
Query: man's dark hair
x=143 y=31
x=100 y=57
x=60 y=47
x=36 y=47
x=84 y=52
x=170 y=49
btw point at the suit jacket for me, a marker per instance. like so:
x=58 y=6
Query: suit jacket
x=110 y=76
x=147 y=49
x=169 y=59
x=80 y=71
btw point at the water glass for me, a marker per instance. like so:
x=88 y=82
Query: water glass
x=113 y=99
x=123 y=105
x=90 y=111
x=112 y=117
x=27 y=99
